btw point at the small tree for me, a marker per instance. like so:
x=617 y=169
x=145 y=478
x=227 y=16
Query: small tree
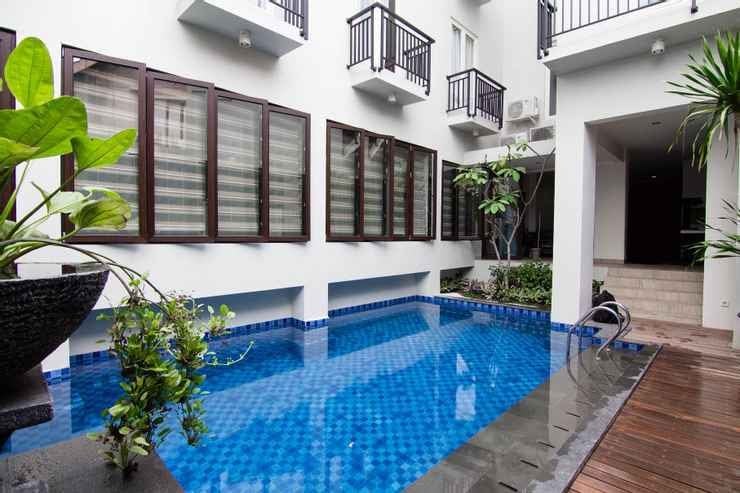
x=504 y=208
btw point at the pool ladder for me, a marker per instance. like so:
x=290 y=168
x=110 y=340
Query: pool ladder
x=623 y=325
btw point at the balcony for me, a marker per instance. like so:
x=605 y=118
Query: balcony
x=475 y=102
x=275 y=27
x=388 y=56
x=577 y=34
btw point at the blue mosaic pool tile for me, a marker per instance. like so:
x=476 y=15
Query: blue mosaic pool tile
x=310 y=324
x=89 y=358
x=57 y=376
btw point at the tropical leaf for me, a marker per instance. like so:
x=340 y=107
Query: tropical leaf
x=28 y=73
x=713 y=86
x=96 y=153
x=109 y=211
x=49 y=127
x=13 y=153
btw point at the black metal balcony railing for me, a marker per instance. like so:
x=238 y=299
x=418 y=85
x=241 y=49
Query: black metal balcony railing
x=556 y=17
x=295 y=13
x=474 y=91
x=402 y=46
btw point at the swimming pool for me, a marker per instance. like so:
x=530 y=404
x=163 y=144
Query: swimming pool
x=370 y=403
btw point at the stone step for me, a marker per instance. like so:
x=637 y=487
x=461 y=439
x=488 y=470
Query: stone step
x=662 y=317
x=658 y=274
x=653 y=306
x=654 y=284
x=654 y=295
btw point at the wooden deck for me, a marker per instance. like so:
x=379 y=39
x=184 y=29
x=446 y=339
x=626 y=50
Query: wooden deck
x=680 y=430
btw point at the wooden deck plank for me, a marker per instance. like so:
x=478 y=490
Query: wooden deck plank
x=680 y=430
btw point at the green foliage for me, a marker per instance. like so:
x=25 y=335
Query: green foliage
x=48 y=127
x=529 y=283
x=728 y=243
x=713 y=86
x=451 y=284
x=161 y=349
x=28 y=73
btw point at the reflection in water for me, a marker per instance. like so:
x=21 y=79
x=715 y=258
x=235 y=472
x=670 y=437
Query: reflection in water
x=372 y=402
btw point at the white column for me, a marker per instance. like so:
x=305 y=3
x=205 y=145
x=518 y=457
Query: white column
x=573 y=253
x=312 y=301
x=721 y=276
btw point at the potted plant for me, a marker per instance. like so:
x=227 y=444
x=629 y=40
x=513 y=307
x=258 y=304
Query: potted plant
x=43 y=304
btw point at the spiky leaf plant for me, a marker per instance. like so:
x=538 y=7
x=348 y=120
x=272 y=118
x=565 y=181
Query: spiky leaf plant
x=713 y=86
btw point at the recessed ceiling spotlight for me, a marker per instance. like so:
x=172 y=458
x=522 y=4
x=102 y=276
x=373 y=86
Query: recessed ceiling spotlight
x=392 y=98
x=653 y=177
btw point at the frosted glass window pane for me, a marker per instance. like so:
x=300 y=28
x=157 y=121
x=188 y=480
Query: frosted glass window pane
x=239 y=167
x=287 y=174
x=448 y=175
x=456 y=49
x=422 y=187
x=111 y=95
x=400 y=175
x=180 y=159
x=344 y=157
x=375 y=184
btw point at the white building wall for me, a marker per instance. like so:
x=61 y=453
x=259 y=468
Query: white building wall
x=313 y=79
x=623 y=88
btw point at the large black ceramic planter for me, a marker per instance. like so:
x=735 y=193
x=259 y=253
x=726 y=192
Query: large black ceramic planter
x=41 y=309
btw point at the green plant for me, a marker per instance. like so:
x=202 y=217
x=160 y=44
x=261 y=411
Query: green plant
x=713 y=86
x=503 y=206
x=161 y=349
x=728 y=244
x=451 y=284
x=47 y=127
x=529 y=283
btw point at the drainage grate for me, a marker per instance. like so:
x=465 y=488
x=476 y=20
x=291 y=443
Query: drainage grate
x=507 y=486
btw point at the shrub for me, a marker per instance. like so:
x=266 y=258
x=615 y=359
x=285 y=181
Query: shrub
x=529 y=283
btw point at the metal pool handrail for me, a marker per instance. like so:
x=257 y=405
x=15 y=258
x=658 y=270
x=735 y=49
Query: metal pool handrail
x=624 y=326
x=582 y=321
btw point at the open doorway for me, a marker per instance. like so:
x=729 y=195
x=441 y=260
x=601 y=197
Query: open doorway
x=665 y=208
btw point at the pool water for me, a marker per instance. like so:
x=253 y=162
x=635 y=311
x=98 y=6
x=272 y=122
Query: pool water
x=370 y=403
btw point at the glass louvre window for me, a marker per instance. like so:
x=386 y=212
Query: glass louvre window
x=422 y=193
x=344 y=163
x=287 y=174
x=180 y=159
x=239 y=167
x=401 y=157
x=111 y=94
x=462 y=212
x=375 y=185
x=448 y=196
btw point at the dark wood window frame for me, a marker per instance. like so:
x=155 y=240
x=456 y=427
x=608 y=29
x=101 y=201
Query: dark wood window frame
x=468 y=233
x=7 y=102
x=391 y=234
x=147 y=78
x=432 y=190
x=306 y=236
x=68 y=56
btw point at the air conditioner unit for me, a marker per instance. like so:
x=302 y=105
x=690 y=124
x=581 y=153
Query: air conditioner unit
x=538 y=134
x=522 y=109
x=514 y=139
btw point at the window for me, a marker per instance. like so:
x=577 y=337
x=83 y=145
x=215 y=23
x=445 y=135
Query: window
x=461 y=218
x=463 y=48
x=240 y=172
x=288 y=175
x=209 y=165
x=113 y=92
x=343 y=194
x=180 y=157
x=369 y=180
x=7 y=43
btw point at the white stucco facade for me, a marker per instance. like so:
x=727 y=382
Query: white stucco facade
x=265 y=281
